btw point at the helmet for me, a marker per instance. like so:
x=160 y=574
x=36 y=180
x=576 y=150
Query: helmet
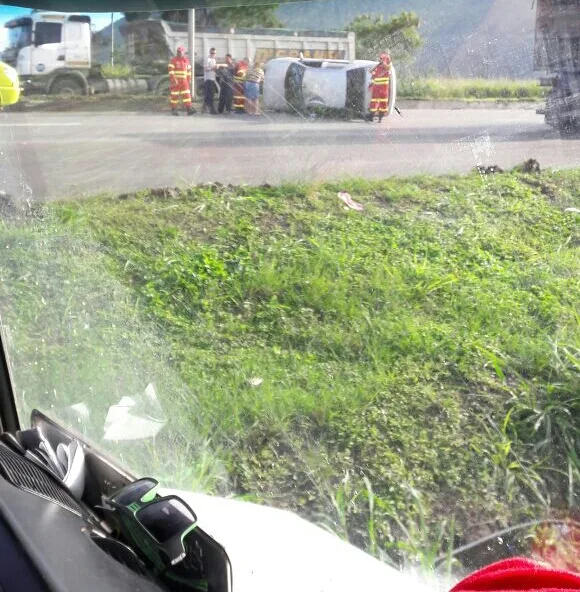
x=384 y=56
x=181 y=49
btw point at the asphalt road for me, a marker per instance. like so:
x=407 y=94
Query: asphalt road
x=64 y=155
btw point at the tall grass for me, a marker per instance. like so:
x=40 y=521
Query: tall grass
x=398 y=374
x=476 y=88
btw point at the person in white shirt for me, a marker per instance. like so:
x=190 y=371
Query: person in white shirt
x=210 y=85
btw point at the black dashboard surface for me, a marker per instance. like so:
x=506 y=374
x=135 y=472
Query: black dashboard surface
x=16 y=570
x=55 y=548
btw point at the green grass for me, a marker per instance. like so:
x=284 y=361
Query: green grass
x=117 y=71
x=417 y=362
x=471 y=89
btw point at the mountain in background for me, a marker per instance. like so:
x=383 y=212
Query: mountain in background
x=479 y=38
x=463 y=38
x=102 y=42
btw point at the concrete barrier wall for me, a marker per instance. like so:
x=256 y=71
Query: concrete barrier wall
x=126 y=85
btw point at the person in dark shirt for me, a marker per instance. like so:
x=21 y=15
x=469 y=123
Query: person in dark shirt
x=226 y=74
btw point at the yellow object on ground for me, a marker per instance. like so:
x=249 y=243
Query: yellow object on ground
x=9 y=85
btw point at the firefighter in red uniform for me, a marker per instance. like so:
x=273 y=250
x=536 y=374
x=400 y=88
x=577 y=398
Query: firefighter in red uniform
x=380 y=85
x=180 y=82
x=239 y=81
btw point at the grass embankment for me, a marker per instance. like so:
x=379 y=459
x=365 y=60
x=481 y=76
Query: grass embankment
x=403 y=375
x=471 y=89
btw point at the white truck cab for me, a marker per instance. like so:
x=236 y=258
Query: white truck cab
x=50 y=48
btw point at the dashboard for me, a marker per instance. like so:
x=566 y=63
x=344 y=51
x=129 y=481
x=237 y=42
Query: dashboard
x=51 y=541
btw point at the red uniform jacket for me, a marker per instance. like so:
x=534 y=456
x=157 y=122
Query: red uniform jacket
x=180 y=73
x=381 y=77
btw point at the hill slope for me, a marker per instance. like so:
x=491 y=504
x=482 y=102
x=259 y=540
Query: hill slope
x=504 y=39
x=462 y=38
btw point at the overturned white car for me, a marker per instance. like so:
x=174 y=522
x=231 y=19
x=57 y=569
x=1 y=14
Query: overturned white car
x=302 y=85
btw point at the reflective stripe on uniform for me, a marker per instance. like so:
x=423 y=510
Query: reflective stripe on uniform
x=379 y=80
x=239 y=102
x=379 y=105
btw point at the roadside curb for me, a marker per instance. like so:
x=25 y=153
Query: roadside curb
x=150 y=106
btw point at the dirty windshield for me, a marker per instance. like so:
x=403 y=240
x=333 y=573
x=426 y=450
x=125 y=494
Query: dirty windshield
x=318 y=256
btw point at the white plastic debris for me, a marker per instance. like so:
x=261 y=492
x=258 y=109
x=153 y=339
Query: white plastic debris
x=132 y=419
x=81 y=409
x=349 y=201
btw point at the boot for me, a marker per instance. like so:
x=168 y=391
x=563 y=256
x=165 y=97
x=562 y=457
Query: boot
x=191 y=111
x=175 y=112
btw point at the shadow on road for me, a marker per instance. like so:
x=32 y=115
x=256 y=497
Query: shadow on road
x=305 y=137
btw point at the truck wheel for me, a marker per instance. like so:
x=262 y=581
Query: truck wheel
x=567 y=126
x=67 y=86
x=162 y=89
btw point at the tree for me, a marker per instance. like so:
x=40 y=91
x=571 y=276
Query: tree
x=135 y=16
x=238 y=16
x=247 y=16
x=400 y=35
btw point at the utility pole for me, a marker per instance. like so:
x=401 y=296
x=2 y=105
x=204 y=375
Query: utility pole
x=191 y=47
x=112 y=39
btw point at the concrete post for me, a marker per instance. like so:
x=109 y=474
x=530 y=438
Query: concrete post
x=191 y=47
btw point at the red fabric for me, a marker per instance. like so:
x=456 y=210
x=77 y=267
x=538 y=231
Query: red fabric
x=380 y=89
x=238 y=86
x=179 y=67
x=519 y=574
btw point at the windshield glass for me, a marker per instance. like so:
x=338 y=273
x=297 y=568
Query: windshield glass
x=19 y=36
x=325 y=261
